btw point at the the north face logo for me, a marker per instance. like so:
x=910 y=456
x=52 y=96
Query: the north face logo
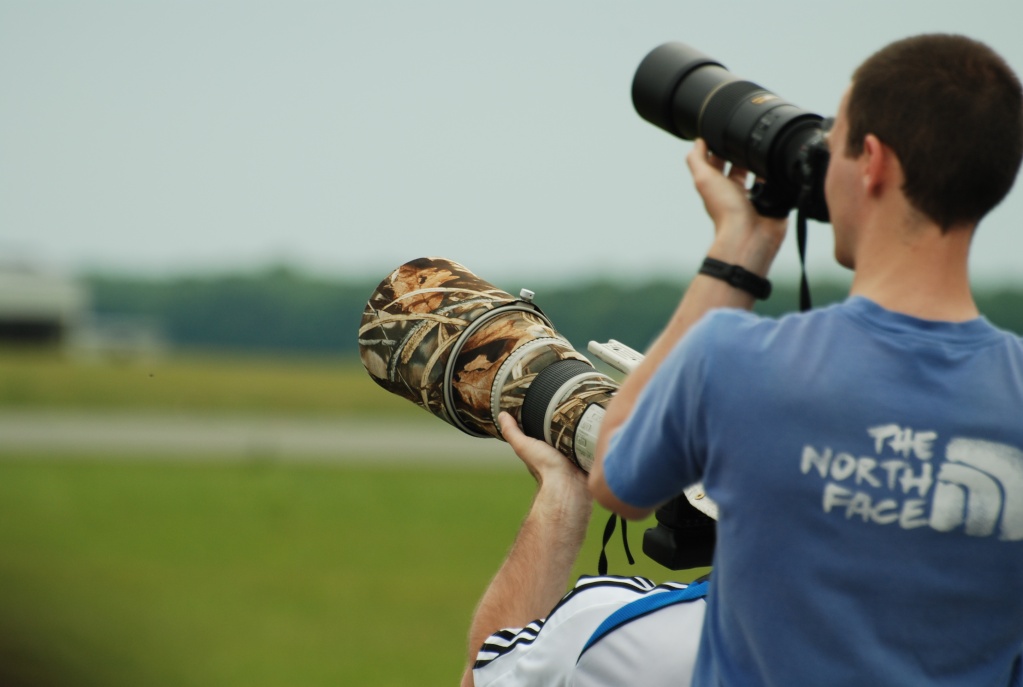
x=978 y=488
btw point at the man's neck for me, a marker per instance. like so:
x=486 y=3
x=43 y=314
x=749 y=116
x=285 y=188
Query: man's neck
x=917 y=270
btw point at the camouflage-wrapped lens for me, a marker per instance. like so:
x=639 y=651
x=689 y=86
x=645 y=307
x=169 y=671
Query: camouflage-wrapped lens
x=435 y=333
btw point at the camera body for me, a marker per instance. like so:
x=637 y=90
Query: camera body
x=691 y=95
x=684 y=537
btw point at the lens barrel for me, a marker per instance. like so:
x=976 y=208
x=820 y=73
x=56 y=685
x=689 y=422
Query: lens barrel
x=658 y=79
x=690 y=95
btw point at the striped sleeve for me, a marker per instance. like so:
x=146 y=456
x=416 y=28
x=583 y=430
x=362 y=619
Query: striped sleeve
x=506 y=641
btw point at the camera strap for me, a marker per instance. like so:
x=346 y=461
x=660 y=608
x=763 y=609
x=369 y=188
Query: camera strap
x=609 y=529
x=804 y=285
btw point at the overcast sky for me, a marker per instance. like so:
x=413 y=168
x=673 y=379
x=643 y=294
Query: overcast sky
x=348 y=137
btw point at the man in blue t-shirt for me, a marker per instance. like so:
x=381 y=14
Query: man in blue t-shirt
x=866 y=458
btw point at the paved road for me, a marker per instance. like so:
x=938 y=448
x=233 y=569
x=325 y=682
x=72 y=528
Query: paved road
x=151 y=436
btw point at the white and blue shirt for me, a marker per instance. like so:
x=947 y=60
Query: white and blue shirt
x=607 y=631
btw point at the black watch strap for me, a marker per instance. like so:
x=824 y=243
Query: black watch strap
x=740 y=278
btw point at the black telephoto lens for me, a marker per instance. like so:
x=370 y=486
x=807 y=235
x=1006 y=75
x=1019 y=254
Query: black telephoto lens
x=690 y=95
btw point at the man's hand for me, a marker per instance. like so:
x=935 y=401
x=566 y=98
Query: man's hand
x=741 y=236
x=545 y=463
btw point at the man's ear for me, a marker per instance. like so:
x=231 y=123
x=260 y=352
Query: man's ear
x=877 y=162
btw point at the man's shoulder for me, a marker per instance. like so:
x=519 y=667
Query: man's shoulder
x=725 y=326
x=548 y=650
x=739 y=318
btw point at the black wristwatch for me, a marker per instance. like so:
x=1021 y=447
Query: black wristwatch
x=740 y=278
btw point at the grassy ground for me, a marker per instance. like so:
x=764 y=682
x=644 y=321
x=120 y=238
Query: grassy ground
x=207 y=572
x=161 y=573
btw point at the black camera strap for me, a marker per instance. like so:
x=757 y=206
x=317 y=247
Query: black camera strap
x=804 y=285
x=609 y=529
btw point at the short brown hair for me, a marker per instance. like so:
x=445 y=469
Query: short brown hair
x=952 y=110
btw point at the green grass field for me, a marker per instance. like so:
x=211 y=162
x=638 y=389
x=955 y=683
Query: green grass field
x=210 y=572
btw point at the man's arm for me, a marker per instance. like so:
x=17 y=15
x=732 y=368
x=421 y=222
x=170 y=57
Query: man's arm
x=536 y=573
x=741 y=237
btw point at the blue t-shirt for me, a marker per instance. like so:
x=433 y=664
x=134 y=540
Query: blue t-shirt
x=870 y=466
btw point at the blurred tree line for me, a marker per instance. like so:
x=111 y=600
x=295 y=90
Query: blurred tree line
x=281 y=309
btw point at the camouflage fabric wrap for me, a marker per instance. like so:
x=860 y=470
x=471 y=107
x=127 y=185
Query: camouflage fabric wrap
x=413 y=319
x=595 y=390
x=502 y=359
x=462 y=349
